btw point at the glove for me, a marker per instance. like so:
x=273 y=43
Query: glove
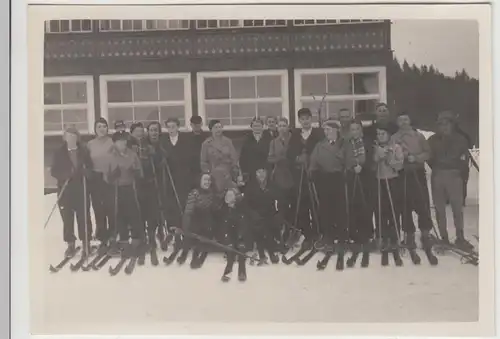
x=114 y=174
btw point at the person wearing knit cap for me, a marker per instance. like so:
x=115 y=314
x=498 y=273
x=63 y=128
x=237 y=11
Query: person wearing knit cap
x=70 y=168
x=220 y=159
x=388 y=161
x=326 y=169
x=448 y=156
x=301 y=145
x=99 y=150
x=120 y=126
x=415 y=190
x=124 y=170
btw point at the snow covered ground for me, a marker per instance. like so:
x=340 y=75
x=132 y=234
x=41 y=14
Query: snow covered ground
x=94 y=302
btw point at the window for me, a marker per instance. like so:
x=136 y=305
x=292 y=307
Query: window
x=209 y=24
x=329 y=22
x=68 y=26
x=357 y=89
x=142 y=25
x=237 y=97
x=68 y=101
x=146 y=98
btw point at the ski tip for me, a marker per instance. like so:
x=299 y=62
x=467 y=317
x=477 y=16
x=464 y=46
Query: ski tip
x=52 y=269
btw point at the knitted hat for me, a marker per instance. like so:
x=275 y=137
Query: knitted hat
x=119 y=124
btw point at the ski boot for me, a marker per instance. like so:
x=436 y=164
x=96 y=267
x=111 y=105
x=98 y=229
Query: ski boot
x=242 y=270
x=365 y=259
x=427 y=247
x=397 y=257
x=340 y=257
x=462 y=243
x=71 y=250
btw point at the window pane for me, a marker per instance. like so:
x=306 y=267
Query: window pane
x=365 y=109
x=120 y=113
x=366 y=83
x=151 y=24
x=201 y=23
x=333 y=107
x=146 y=114
x=76 y=25
x=86 y=25
x=162 y=24
x=51 y=127
x=71 y=116
x=185 y=24
x=243 y=110
x=269 y=86
x=339 y=84
x=116 y=25
x=171 y=89
x=64 y=25
x=127 y=25
x=242 y=87
x=54 y=26
x=145 y=90
x=120 y=91
x=224 y=23
x=313 y=84
x=235 y=23
x=212 y=23
x=137 y=25
x=241 y=122
x=74 y=93
x=52 y=93
x=217 y=111
x=172 y=112
x=266 y=109
x=52 y=116
x=217 y=88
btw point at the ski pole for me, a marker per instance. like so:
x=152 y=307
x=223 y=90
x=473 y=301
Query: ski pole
x=473 y=161
x=173 y=186
x=379 y=207
x=85 y=218
x=158 y=196
x=63 y=188
x=396 y=227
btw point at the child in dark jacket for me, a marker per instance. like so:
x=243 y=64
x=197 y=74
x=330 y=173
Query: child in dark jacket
x=70 y=167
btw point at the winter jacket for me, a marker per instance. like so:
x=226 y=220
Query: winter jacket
x=413 y=143
x=280 y=173
x=63 y=167
x=448 y=152
x=328 y=157
x=387 y=167
x=99 y=149
x=300 y=149
x=123 y=169
x=254 y=154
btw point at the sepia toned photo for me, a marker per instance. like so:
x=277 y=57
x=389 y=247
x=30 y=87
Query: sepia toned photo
x=273 y=168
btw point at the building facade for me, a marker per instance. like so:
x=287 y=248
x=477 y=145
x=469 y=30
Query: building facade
x=232 y=70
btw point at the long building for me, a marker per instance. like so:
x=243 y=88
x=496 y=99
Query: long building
x=232 y=70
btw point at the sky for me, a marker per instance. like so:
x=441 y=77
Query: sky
x=449 y=45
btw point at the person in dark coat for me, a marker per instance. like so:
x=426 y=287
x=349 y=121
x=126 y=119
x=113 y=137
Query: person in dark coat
x=255 y=150
x=300 y=147
x=260 y=199
x=153 y=193
x=178 y=171
x=198 y=136
x=70 y=167
x=272 y=127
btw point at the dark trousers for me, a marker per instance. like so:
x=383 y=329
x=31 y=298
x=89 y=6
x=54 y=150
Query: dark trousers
x=415 y=198
x=237 y=242
x=388 y=208
x=360 y=208
x=150 y=209
x=128 y=215
x=103 y=213
x=333 y=217
x=264 y=235
x=72 y=202
x=303 y=211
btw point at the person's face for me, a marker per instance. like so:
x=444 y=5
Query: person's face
x=71 y=139
x=121 y=145
x=138 y=132
x=154 y=132
x=230 y=197
x=261 y=174
x=382 y=136
x=120 y=129
x=445 y=127
x=271 y=123
x=257 y=127
x=205 y=181
x=196 y=127
x=282 y=127
x=356 y=130
x=101 y=129
x=172 y=128
x=305 y=121
x=345 y=117
x=404 y=122
x=217 y=129
x=382 y=113
x=330 y=133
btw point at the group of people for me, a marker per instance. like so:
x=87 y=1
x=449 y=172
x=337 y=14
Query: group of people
x=337 y=185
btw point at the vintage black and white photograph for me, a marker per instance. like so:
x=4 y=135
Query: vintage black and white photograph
x=260 y=169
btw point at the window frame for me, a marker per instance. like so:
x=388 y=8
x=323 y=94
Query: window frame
x=143 y=26
x=201 y=76
x=89 y=106
x=381 y=96
x=338 y=22
x=240 y=25
x=188 y=111
x=48 y=31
